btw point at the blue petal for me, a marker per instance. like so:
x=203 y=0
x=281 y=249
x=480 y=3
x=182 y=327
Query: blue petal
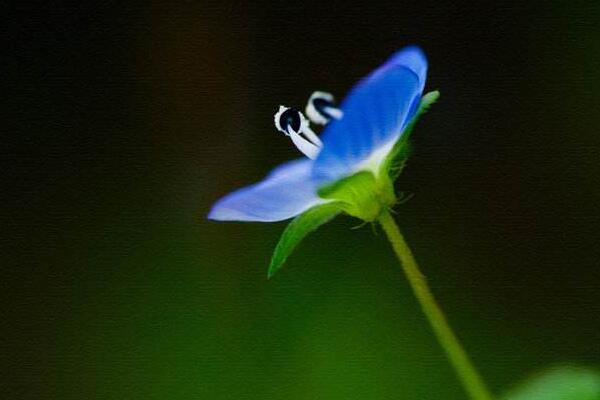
x=375 y=113
x=286 y=192
x=413 y=58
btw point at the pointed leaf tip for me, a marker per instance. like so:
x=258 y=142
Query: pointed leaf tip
x=297 y=230
x=428 y=99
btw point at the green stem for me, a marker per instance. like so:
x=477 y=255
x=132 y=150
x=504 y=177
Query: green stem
x=463 y=366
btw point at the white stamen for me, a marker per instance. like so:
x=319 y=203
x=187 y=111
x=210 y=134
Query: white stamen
x=309 y=144
x=317 y=116
x=277 y=116
x=310 y=135
x=307 y=148
x=336 y=113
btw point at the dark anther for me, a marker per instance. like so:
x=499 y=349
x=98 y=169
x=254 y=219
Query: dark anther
x=290 y=119
x=321 y=105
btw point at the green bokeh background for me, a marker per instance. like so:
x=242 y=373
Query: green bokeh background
x=125 y=122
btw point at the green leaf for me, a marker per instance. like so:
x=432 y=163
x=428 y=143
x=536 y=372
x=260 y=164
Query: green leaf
x=399 y=154
x=559 y=383
x=301 y=226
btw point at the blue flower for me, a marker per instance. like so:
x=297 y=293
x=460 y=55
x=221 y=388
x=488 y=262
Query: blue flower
x=373 y=118
x=352 y=166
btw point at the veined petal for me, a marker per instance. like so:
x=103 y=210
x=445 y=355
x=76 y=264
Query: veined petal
x=286 y=192
x=375 y=113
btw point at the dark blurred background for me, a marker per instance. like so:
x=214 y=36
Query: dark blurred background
x=124 y=122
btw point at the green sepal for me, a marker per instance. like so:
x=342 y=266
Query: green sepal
x=397 y=158
x=361 y=195
x=559 y=383
x=300 y=226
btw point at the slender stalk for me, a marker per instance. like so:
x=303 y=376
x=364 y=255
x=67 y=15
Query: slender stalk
x=459 y=359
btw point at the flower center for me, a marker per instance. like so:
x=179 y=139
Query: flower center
x=291 y=122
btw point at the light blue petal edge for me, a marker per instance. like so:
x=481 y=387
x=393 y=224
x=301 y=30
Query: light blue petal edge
x=285 y=193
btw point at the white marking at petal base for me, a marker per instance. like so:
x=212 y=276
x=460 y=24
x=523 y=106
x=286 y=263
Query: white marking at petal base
x=374 y=162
